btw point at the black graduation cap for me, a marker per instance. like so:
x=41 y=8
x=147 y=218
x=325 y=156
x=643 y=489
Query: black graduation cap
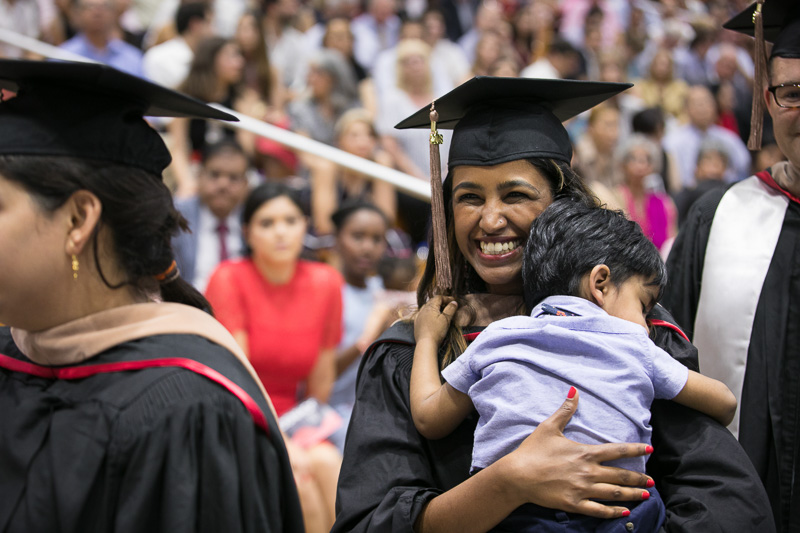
x=497 y=120
x=781 y=20
x=89 y=110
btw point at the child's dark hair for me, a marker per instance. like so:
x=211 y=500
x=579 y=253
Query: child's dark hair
x=351 y=207
x=570 y=238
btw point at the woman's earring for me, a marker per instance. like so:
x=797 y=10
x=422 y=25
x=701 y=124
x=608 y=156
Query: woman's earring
x=74 y=267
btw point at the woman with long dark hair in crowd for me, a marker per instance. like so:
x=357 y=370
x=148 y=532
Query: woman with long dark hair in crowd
x=125 y=405
x=215 y=75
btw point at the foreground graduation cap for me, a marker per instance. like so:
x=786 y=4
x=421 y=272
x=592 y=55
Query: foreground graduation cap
x=89 y=110
x=497 y=120
x=778 y=22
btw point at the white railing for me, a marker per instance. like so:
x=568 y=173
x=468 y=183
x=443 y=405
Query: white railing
x=401 y=181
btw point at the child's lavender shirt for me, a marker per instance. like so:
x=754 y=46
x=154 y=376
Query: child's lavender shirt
x=518 y=372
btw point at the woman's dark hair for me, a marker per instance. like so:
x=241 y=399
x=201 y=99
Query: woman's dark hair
x=570 y=238
x=563 y=182
x=201 y=81
x=263 y=194
x=137 y=211
x=351 y=207
x=263 y=66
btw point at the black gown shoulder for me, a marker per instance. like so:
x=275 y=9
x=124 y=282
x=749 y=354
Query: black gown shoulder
x=390 y=472
x=158 y=449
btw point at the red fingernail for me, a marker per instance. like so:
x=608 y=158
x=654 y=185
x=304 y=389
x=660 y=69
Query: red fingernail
x=650 y=483
x=645 y=495
x=571 y=393
x=626 y=512
x=648 y=449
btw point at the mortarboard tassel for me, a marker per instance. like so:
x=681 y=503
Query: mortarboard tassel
x=441 y=254
x=759 y=82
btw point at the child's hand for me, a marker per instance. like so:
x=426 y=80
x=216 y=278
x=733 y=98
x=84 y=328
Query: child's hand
x=432 y=320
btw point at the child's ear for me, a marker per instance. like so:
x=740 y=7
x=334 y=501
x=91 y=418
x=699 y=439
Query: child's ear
x=599 y=281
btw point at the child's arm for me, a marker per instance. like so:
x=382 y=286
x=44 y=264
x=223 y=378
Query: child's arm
x=435 y=408
x=708 y=396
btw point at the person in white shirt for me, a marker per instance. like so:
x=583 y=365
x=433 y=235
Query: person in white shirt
x=168 y=63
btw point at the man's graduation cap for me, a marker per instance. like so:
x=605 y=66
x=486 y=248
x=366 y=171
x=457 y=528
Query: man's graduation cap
x=498 y=120
x=88 y=110
x=777 y=22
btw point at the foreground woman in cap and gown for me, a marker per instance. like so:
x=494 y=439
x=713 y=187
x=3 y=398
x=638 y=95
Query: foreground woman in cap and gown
x=124 y=406
x=745 y=321
x=509 y=159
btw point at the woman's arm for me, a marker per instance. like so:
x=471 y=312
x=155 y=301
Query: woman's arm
x=323 y=374
x=547 y=469
x=384 y=194
x=323 y=194
x=708 y=396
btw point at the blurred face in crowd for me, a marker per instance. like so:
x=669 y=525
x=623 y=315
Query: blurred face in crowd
x=701 y=107
x=381 y=10
x=229 y=64
x=414 y=68
x=711 y=166
x=95 y=16
x=661 y=66
x=247 y=34
x=319 y=81
x=493 y=208
x=604 y=129
x=338 y=37
x=433 y=27
x=361 y=243
x=275 y=232
x=222 y=184
x=637 y=165
x=785 y=121
x=358 y=139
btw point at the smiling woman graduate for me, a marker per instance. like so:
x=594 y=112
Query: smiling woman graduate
x=509 y=160
x=124 y=406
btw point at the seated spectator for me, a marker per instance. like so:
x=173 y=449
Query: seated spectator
x=561 y=61
x=286 y=314
x=213 y=213
x=360 y=244
x=650 y=123
x=333 y=186
x=215 y=75
x=338 y=36
x=712 y=162
x=595 y=148
x=444 y=51
x=375 y=30
x=96 y=24
x=685 y=140
x=168 y=63
x=20 y=16
x=641 y=193
x=260 y=77
x=489 y=49
x=331 y=90
x=660 y=88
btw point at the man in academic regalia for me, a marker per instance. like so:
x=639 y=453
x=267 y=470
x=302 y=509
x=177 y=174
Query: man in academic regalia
x=735 y=275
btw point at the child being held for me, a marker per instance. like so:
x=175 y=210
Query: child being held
x=590 y=277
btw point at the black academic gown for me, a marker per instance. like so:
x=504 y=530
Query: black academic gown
x=390 y=472
x=160 y=449
x=769 y=426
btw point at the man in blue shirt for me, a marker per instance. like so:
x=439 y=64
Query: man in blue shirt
x=96 y=40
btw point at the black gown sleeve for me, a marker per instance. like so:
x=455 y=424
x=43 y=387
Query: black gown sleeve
x=389 y=471
x=706 y=480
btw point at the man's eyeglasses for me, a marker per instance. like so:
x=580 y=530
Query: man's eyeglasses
x=786 y=94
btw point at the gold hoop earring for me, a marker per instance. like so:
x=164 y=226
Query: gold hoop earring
x=74 y=267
